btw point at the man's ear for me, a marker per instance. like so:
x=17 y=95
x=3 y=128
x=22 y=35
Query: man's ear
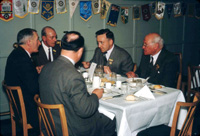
x=80 y=52
x=28 y=43
x=110 y=41
x=156 y=45
x=44 y=38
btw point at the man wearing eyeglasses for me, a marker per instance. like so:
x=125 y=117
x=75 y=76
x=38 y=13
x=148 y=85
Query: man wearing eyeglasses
x=49 y=50
x=160 y=65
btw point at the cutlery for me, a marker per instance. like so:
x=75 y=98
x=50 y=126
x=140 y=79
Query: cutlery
x=158 y=91
x=110 y=97
x=146 y=79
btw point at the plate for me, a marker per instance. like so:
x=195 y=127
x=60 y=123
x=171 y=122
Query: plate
x=135 y=80
x=152 y=87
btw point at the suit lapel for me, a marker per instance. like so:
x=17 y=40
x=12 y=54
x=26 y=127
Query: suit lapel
x=112 y=56
x=43 y=55
x=160 y=57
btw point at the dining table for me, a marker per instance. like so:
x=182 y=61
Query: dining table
x=134 y=116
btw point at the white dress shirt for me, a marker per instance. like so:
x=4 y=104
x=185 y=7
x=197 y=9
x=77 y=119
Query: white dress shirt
x=155 y=57
x=46 y=50
x=109 y=52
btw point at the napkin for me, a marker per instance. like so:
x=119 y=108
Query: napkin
x=145 y=92
x=106 y=113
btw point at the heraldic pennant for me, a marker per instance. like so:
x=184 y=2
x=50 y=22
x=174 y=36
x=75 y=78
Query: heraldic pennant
x=47 y=9
x=6 y=10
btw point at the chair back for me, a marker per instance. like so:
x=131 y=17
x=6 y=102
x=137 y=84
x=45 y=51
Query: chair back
x=134 y=67
x=179 y=74
x=58 y=42
x=45 y=115
x=188 y=123
x=193 y=80
x=17 y=108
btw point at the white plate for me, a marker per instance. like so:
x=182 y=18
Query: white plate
x=152 y=87
x=130 y=80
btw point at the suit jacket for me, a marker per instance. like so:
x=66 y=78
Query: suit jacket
x=119 y=61
x=61 y=83
x=40 y=58
x=20 y=71
x=164 y=71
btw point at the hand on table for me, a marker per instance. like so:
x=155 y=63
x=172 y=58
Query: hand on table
x=107 y=70
x=98 y=92
x=131 y=74
x=86 y=64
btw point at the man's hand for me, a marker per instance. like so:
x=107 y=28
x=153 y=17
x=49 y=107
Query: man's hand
x=86 y=64
x=98 y=92
x=107 y=70
x=39 y=68
x=131 y=74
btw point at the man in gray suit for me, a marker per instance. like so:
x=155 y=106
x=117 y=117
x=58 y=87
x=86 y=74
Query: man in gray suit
x=112 y=57
x=61 y=83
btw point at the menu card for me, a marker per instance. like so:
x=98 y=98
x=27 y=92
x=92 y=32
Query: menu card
x=91 y=70
x=145 y=92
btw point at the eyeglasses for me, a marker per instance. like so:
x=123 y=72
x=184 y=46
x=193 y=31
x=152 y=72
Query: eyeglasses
x=145 y=45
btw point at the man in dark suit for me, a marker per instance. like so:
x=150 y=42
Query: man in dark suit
x=61 y=83
x=49 y=50
x=20 y=71
x=162 y=68
x=112 y=57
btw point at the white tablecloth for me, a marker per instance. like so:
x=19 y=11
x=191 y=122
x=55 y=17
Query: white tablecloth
x=133 y=116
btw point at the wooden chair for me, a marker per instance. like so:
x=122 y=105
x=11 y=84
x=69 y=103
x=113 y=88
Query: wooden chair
x=135 y=67
x=179 y=74
x=193 y=81
x=45 y=113
x=17 y=108
x=58 y=42
x=186 y=129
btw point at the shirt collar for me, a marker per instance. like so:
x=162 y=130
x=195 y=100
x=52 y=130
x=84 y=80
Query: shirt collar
x=71 y=60
x=155 y=57
x=28 y=53
x=109 y=52
x=46 y=48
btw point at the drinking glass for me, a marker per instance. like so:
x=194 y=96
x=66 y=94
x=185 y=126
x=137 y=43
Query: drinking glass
x=99 y=71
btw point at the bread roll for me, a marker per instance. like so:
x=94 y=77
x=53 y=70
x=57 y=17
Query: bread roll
x=130 y=97
x=157 y=86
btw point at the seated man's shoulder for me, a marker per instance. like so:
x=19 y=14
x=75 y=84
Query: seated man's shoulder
x=122 y=50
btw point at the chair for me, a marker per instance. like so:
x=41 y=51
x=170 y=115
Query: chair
x=186 y=127
x=44 y=110
x=134 y=67
x=179 y=74
x=58 y=42
x=193 y=81
x=17 y=108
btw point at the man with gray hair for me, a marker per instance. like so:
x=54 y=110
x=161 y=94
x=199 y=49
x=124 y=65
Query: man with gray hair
x=160 y=65
x=20 y=71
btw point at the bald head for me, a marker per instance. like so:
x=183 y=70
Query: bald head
x=153 y=43
x=72 y=45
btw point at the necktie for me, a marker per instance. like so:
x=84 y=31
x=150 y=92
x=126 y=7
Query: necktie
x=151 y=62
x=104 y=58
x=49 y=55
x=150 y=67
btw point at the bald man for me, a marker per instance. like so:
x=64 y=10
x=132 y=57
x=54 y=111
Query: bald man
x=65 y=85
x=49 y=50
x=160 y=65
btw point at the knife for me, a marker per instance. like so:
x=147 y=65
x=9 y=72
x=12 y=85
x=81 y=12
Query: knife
x=110 y=97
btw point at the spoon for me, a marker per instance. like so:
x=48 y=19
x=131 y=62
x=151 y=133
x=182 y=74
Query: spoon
x=146 y=79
